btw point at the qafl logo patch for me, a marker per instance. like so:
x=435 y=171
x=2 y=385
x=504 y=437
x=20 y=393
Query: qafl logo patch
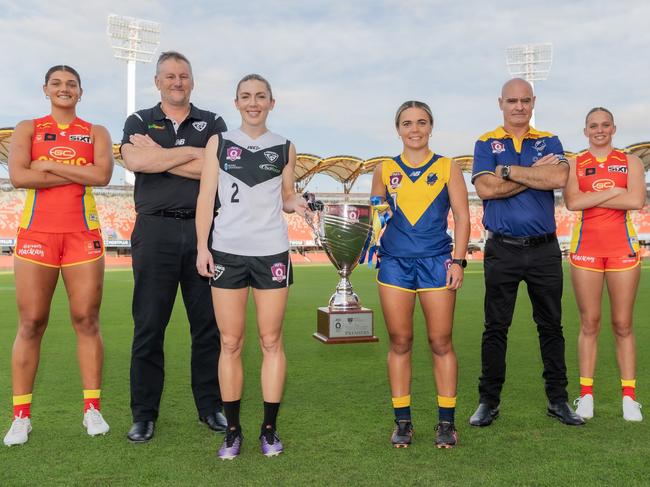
x=352 y=214
x=395 y=180
x=278 y=272
x=233 y=153
x=497 y=147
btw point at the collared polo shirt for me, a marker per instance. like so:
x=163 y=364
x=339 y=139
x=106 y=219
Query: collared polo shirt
x=531 y=212
x=154 y=192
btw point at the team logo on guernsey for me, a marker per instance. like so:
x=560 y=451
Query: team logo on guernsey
x=602 y=184
x=62 y=153
x=621 y=169
x=432 y=177
x=200 y=126
x=233 y=153
x=539 y=145
x=270 y=156
x=497 y=147
x=278 y=272
x=395 y=180
x=79 y=138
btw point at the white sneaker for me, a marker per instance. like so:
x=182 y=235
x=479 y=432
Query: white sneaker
x=18 y=434
x=585 y=406
x=631 y=409
x=94 y=422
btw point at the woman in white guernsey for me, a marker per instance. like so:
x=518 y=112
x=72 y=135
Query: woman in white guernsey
x=252 y=170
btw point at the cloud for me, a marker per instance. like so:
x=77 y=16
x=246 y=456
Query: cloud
x=340 y=69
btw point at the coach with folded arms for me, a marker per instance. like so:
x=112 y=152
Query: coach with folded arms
x=516 y=168
x=164 y=147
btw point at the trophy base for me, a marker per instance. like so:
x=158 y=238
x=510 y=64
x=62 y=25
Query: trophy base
x=349 y=326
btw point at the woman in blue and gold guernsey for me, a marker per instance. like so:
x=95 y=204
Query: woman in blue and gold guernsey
x=57 y=158
x=604 y=185
x=417 y=259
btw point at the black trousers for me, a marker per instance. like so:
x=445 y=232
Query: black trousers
x=540 y=267
x=164 y=255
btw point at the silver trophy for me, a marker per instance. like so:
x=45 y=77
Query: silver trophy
x=342 y=230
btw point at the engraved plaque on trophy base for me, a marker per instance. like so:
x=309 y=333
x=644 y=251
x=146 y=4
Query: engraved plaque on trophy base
x=348 y=326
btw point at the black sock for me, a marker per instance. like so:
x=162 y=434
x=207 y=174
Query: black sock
x=231 y=411
x=270 y=414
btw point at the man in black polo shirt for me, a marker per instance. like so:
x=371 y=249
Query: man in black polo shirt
x=164 y=147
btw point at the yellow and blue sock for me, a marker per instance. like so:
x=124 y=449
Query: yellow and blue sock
x=402 y=408
x=446 y=408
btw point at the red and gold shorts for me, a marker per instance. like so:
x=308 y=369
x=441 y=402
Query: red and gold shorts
x=59 y=249
x=605 y=264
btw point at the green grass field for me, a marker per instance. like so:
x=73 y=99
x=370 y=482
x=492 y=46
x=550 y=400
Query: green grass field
x=336 y=417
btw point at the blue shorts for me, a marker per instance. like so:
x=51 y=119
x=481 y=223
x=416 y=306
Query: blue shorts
x=414 y=274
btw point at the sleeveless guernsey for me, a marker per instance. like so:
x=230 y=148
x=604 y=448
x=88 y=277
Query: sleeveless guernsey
x=603 y=232
x=67 y=208
x=249 y=220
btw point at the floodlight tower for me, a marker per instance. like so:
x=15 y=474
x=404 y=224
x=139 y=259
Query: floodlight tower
x=133 y=40
x=531 y=62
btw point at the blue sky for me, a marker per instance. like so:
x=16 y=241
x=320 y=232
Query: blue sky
x=339 y=69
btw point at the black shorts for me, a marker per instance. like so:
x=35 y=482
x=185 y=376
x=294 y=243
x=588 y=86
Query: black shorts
x=241 y=271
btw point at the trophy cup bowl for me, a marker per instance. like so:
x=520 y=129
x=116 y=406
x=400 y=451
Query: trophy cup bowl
x=341 y=230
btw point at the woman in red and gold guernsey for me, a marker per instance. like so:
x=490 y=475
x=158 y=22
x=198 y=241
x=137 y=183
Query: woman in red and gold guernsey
x=604 y=185
x=57 y=159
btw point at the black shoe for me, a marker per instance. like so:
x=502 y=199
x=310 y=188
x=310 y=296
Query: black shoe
x=215 y=421
x=141 y=431
x=563 y=412
x=484 y=415
x=402 y=433
x=446 y=435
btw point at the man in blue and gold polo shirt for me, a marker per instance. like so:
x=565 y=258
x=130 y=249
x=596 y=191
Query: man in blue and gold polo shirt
x=516 y=168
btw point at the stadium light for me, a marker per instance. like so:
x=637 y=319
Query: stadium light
x=531 y=62
x=133 y=40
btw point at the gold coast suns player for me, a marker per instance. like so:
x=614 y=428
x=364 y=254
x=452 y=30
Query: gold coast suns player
x=57 y=158
x=604 y=185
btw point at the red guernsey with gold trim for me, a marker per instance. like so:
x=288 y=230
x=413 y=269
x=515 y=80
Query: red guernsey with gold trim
x=603 y=232
x=67 y=208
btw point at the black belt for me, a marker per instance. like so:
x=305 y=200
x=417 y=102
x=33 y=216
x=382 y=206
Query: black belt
x=523 y=241
x=178 y=214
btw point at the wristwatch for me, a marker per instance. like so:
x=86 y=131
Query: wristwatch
x=505 y=172
x=461 y=262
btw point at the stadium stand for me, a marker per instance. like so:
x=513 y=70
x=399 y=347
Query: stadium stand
x=116 y=209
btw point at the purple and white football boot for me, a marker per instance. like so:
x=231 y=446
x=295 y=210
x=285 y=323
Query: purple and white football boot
x=231 y=445
x=270 y=443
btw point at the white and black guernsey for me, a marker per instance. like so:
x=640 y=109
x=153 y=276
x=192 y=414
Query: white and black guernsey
x=250 y=220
